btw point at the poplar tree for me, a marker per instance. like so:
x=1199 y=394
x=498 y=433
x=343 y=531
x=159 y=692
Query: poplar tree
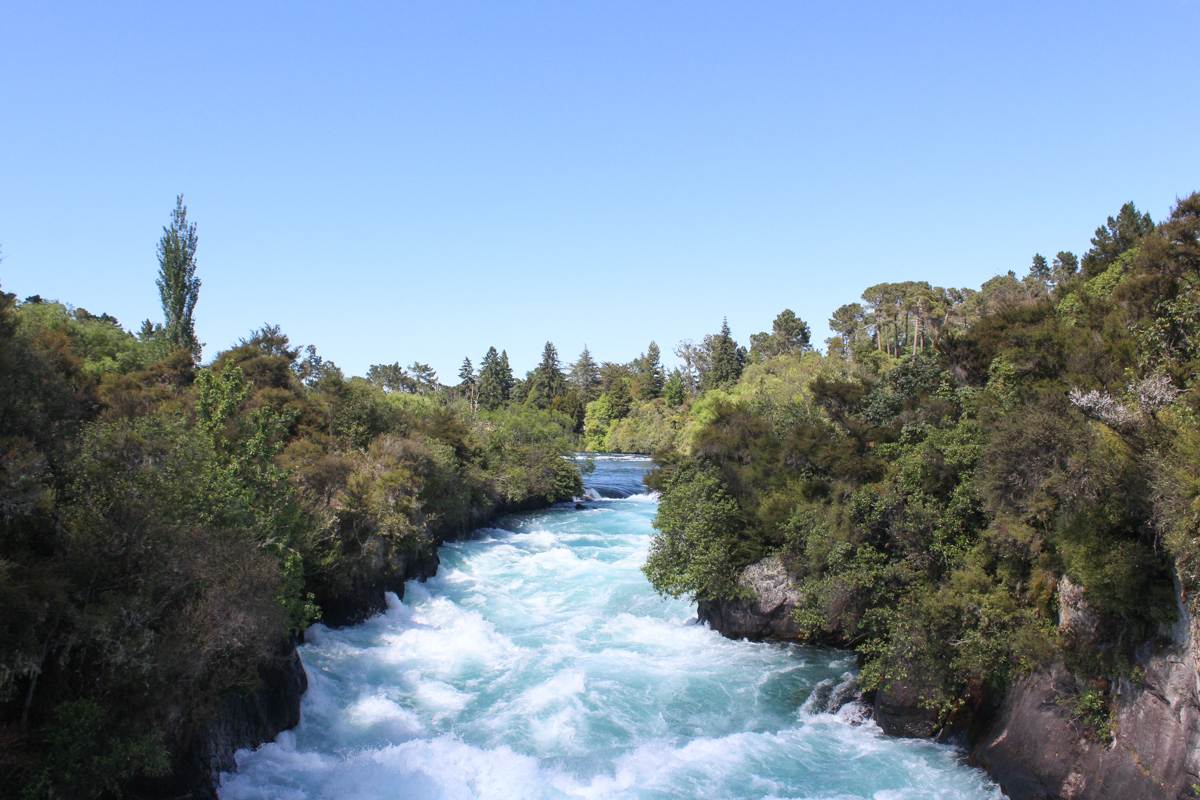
x=178 y=286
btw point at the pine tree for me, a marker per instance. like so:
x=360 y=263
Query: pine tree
x=1066 y=266
x=789 y=334
x=492 y=390
x=178 y=286
x=466 y=373
x=1037 y=282
x=1039 y=269
x=391 y=378
x=425 y=379
x=467 y=384
x=585 y=376
x=506 y=376
x=849 y=322
x=648 y=373
x=546 y=383
x=1115 y=237
x=725 y=359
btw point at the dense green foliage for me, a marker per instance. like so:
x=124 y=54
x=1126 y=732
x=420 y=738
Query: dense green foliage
x=930 y=480
x=166 y=528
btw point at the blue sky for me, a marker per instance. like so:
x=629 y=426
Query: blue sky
x=401 y=181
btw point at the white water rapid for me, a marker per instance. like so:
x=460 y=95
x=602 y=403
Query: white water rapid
x=540 y=664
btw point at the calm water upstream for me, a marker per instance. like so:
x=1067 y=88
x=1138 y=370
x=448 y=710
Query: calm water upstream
x=540 y=664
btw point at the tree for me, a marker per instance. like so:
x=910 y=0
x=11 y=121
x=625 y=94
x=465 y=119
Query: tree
x=313 y=368
x=881 y=302
x=789 y=334
x=849 y=322
x=466 y=373
x=506 y=375
x=725 y=359
x=585 y=376
x=546 y=383
x=648 y=375
x=494 y=382
x=674 y=389
x=1038 y=269
x=272 y=341
x=598 y=418
x=1066 y=265
x=695 y=362
x=1115 y=237
x=1037 y=281
x=468 y=384
x=178 y=286
x=697 y=551
x=391 y=378
x=424 y=377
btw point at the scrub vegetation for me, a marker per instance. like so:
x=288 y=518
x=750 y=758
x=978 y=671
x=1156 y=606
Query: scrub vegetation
x=954 y=454
x=167 y=527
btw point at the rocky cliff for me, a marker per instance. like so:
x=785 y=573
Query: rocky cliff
x=767 y=609
x=1034 y=746
x=247 y=719
x=1036 y=749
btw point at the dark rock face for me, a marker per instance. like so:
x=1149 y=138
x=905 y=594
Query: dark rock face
x=768 y=613
x=242 y=719
x=1035 y=750
x=898 y=711
x=248 y=719
x=364 y=597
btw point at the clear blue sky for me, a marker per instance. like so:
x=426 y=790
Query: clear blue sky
x=401 y=181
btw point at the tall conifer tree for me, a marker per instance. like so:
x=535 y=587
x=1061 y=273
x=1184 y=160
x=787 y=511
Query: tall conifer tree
x=547 y=383
x=585 y=376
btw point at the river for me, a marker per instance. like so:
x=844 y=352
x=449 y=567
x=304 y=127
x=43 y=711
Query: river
x=539 y=663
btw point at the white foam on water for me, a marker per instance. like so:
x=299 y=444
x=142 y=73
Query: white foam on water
x=539 y=663
x=541 y=539
x=380 y=715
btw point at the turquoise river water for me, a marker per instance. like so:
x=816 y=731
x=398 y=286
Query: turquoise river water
x=539 y=663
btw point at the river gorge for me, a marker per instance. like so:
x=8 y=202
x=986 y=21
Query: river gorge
x=539 y=663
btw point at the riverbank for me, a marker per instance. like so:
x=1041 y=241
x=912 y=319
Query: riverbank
x=247 y=719
x=1035 y=746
